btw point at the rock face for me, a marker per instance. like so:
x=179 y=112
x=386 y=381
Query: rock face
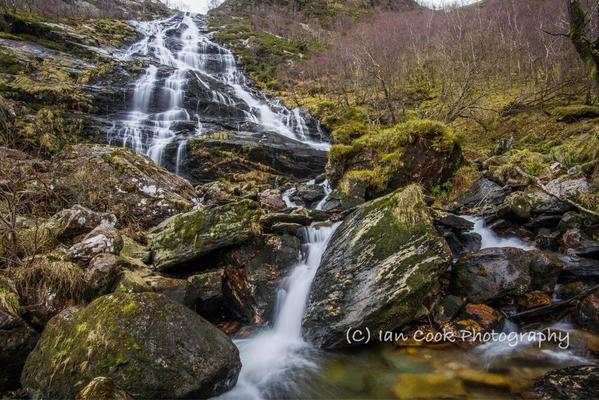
x=221 y=154
x=378 y=269
x=188 y=236
x=17 y=340
x=124 y=183
x=580 y=382
x=492 y=273
x=482 y=193
x=150 y=347
x=103 y=239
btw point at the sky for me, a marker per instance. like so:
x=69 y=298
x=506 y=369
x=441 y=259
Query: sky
x=202 y=6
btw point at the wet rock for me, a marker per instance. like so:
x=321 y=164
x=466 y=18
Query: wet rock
x=579 y=269
x=389 y=249
x=208 y=287
x=339 y=202
x=102 y=273
x=17 y=340
x=580 y=382
x=286 y=227
x=575 y=243
x=103 y=239
x=308 y=194
x=296 y=217
x=254 y=272
x=545 y=269
x=486 y=317
x=79 y=220
x=483 y=192
x=544 y=221
x=146 y=344
x=588 y=312
x=533 y=299
x=216 y=193
x=492 y=273
x=447 y=308
x=454 y=222
x=120 y=181
x=102 y=388
x=548 y=239
x=186 y=237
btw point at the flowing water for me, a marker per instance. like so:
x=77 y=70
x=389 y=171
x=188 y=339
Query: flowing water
x=492 y=239
x=190 y=84
x=274 y=360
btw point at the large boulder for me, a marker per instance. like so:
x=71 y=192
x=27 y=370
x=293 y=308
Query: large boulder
x=148 y=345
x=103 y=239
x=79 y=220
x=482 y=193
x=521 y=206
x=418 y=151
x=378 y=269
x=121 y=182
x=491 y=273
x=188 y=236
x=17 y=340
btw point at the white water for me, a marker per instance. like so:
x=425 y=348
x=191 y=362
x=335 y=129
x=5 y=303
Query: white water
x=492 y=239
x=186 y=55
x=270 y=358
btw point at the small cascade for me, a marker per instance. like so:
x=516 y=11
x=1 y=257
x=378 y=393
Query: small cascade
x=162 y=107
x=492 y=239
x=270 y=359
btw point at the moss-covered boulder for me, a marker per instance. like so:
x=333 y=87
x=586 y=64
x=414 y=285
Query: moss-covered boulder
x=150 y=346
x=378 y=269
x=188 y=236
x=418 y=151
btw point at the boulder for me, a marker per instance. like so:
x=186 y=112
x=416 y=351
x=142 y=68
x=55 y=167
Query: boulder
x=148 y=345
x=580 y=382
x=120 y=181
x=208 y=287
x=79 y=220
x=579 y=269
x=254 y=272
x=521 y=206
x=308 y=194
x=486 y=317
x=103 y=239
x=491 y=273
x=545 y=269
x=565 y=187
x=102 y=273
x=188 y=236
x=272 y=199
x=482 y=193
x=587 y=312
x=575 y=243
x=17 y=340
x=178 y=290
x=447 y=308
x=378 y=269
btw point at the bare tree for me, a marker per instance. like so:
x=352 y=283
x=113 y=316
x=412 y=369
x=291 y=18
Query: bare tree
x=580 y=34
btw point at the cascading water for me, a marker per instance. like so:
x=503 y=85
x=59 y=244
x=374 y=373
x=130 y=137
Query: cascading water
x=270 y=358
x=492 y=239
x=163 y=109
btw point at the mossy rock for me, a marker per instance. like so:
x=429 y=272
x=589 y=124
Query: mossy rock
x=148 y=345
x=576 y=112
x=418 y=151
x=378 y=269
x=188 y=236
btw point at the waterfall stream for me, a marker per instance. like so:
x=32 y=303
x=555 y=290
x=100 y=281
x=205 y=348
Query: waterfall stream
x=185 y=61
x=271 y=358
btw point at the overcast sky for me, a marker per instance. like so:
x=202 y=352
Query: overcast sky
x=202 y=6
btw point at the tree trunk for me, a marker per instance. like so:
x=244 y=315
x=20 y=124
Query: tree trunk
x=587 y=48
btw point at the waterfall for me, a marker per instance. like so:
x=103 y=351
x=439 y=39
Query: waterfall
x=492 y=239
x=269 y=358
x=182 y=55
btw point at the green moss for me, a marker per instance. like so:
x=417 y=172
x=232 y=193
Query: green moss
x=9 y=301
x=577 y=112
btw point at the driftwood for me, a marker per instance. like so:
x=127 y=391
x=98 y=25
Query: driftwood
x=538 y=183
x=544 y=310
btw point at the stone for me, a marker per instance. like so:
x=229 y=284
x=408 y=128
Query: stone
x=272 y=199
x=447 y=308
x=103 y=239
x=79 y=220
x=491 y=274
x=148 y=345
x=533 y=299
x=121 y=182
x=178 y=290
x=428 y=386
x=286 y=228
x=102 y=273
x=482 y=193
x=580 y=382
x=486 y=317
x=308 y=194
x=186 y=237
x=579 y=269
x=17 y=340
x=521 y=206
x=545 y=269
x=378 y=269
x=587 y=312
x=565 y=188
